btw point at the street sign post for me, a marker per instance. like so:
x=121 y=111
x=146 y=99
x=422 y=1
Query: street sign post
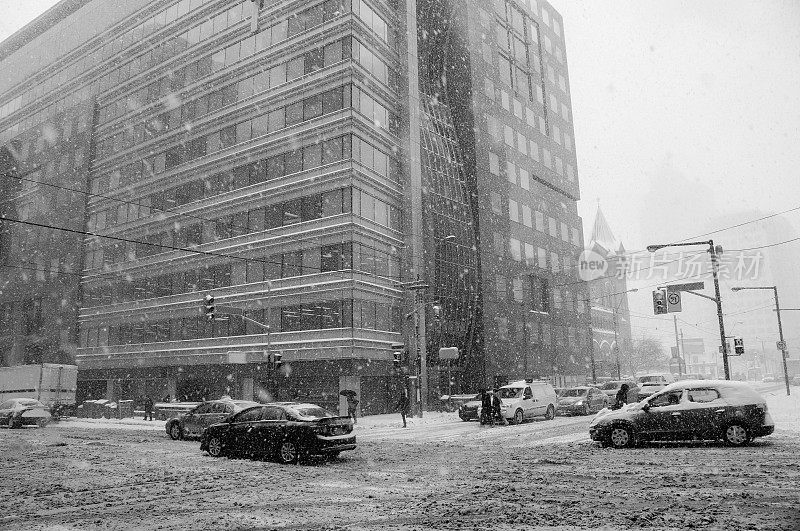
x=673 y=301
x=687 y=286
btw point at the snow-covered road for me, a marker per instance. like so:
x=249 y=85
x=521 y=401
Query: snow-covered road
x=440 y=473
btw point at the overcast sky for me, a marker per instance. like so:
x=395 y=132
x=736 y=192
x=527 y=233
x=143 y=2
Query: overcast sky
x=685 y=111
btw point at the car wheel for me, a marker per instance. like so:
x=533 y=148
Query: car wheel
x=42 y=422
x=620 y=437
x=14 y=423
x=175 y=431
x=215 y=448
x=333 y=456
x=518 y=416
x=551 y=413
x=585 y=410
x=289 y=452
x=736 y=435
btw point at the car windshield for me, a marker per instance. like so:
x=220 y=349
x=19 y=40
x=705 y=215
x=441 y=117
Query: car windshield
x=312 y=412
x=611 y=385
x=509 y=392
x=651 y=379
x=573 y=392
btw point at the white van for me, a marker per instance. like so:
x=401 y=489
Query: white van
x=526 y=399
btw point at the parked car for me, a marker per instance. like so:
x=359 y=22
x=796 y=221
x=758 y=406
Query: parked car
x=795 y=380
x=687 y=410
x=769 y=378
x=526 y=399
x=285 y=430
x=19 y=412
x=610 y=390
x=649 y=384
x=581 y=400
x=469 y=410
x=193 y=423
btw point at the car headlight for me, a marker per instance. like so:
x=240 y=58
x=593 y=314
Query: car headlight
x=579 y=403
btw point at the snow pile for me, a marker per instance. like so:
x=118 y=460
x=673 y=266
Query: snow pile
x=126 y=424
x=784 y=410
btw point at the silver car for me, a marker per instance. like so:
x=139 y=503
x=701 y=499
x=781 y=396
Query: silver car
x=193 y=423
x=19 y=412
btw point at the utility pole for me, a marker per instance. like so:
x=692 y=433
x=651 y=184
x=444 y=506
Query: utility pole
x=783 y=343
x=723 y=340
x=616 y=347
x=677 y=344
x=683 y=348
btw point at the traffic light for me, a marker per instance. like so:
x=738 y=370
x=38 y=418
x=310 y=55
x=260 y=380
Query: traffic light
x=209 y=306
x=277 y=357
x=437 y=313
x=738 y=346
x=659 y=301
x=396 y=359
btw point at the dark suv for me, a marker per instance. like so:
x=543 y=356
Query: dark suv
x=688 y=410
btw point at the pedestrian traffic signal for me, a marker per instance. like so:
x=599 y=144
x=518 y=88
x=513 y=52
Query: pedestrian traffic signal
x=738 y=346
x=659 y=301
x=209 y=306
x=437 y=313
x=396 y=359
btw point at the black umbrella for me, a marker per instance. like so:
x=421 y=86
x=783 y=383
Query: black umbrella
x=348 y=392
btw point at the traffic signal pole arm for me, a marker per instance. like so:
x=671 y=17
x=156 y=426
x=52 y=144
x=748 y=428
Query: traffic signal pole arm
x=702 y=295
x=714 y=252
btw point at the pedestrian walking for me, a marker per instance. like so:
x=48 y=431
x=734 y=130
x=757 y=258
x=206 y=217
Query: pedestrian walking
x=622 y=397
x=496 y=403
x=486 y=408
x=403 y=404
x=352 y=404
x=148 y=408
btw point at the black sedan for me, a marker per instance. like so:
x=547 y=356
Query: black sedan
x=688 y=410
x=469 y=410
x=284 y=430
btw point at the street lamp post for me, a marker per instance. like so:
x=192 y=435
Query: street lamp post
x=714 y=252
x=780 y=328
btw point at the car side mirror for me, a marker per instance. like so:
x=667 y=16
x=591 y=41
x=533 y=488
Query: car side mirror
x=646 y=406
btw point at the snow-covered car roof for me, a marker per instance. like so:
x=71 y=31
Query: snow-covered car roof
x=733 y=391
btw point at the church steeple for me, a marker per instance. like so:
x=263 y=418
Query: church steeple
x=602 y=236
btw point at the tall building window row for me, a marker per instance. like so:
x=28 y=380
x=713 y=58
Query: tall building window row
x=346 y=256
x=347 y=147
x=375 y=22
x=319 y=315
x=316 y=206
x=210 y=63
x=202 y=31
x=121 y=42
x=190 y=150
x=376 y=66
x=331 y=151
x=179 y=117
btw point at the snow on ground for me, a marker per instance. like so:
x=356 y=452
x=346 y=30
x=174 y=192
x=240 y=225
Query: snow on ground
x=785 y=410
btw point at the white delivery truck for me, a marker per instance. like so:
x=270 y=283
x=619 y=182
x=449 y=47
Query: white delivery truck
x=51 y=384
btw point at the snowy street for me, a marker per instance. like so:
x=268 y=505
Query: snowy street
x=439 y=473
